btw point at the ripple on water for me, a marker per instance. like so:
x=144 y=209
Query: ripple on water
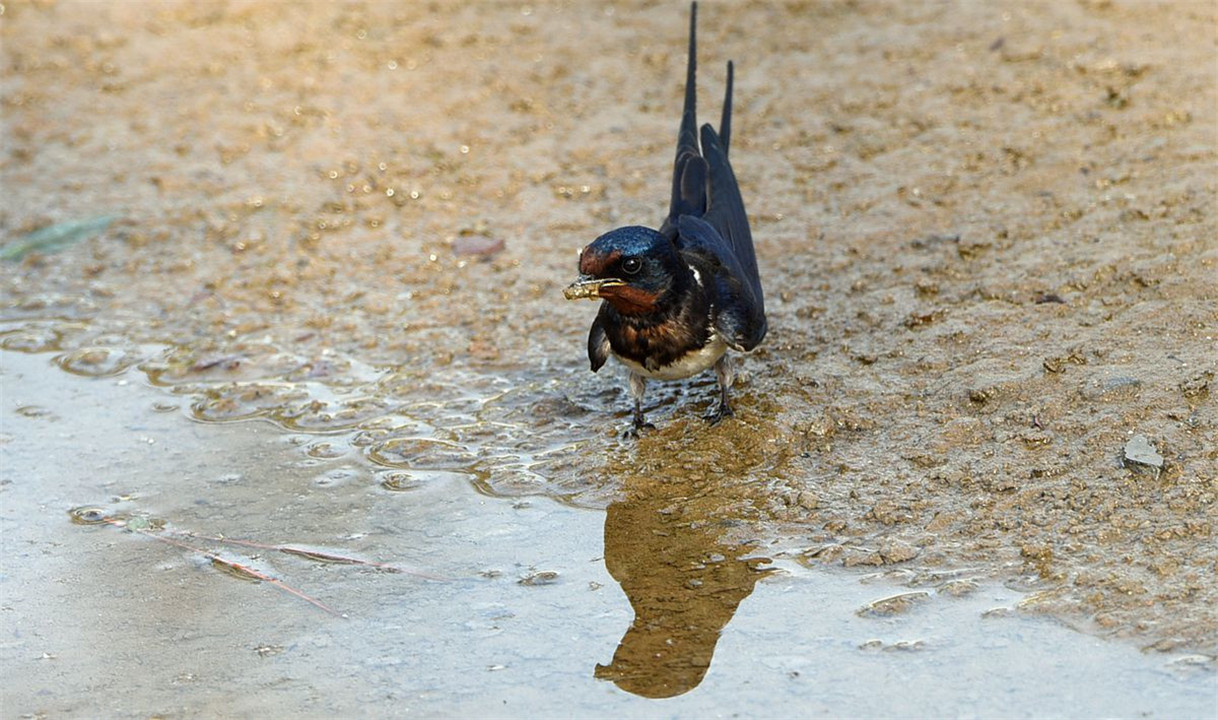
x=32 y=338
x=408 y=480
x=325 y=450
x=89 y=515
x=535 y=432
x=248 y=362
x=315 y=415
x=96 y=361
x=243 y=401
x=421 y=454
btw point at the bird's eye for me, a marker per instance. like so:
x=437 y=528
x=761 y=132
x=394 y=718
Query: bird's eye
x=631 y=265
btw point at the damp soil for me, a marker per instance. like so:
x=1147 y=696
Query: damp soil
x=987 y=236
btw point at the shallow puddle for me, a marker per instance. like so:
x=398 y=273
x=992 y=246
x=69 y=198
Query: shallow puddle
x=156 y=565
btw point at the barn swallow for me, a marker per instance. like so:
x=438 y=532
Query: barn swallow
x=675 y=300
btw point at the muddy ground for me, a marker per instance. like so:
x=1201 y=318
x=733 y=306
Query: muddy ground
x=986 y=232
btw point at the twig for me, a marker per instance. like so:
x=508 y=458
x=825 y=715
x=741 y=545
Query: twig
x=315 y=555
x=234 y=568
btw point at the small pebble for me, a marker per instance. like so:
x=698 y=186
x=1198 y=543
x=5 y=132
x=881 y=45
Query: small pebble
x=1140 y=451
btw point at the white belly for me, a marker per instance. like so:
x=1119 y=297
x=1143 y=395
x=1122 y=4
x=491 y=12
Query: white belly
x=690 y=364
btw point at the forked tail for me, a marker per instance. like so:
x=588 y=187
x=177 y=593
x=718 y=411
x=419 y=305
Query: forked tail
x=689 y=169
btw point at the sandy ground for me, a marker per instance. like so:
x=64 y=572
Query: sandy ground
x=986 y=231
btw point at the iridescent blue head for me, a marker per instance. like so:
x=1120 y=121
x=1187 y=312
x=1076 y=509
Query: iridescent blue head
x=630 y=267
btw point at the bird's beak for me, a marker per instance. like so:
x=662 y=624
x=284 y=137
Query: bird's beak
x=589 y=287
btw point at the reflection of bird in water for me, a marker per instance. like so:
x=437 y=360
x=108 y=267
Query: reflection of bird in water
x=684 y=586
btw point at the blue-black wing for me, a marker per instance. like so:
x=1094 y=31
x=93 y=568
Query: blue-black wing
x=739 y=313
x=598 y=341
x=707 y=215
x=727 y=216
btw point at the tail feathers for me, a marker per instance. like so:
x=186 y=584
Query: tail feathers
x=687 y=137
x=725 y=121
x=703 y=182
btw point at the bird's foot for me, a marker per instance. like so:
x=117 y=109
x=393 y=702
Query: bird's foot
x=718 y=414
x=632 y=432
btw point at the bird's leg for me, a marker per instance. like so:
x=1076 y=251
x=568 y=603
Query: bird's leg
x=725 y=371
x=638 y=385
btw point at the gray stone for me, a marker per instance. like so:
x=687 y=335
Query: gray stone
x=1140 y=451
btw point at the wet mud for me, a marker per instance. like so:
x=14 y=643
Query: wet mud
x=987 y=235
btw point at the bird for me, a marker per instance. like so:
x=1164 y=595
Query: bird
x=675 y=300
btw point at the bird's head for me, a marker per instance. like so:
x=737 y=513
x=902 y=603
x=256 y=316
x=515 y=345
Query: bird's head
x=631 y=268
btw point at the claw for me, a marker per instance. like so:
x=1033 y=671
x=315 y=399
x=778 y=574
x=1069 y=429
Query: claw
x=633 y=432
x=723 y=411
x=639 y=424
x=726 y=375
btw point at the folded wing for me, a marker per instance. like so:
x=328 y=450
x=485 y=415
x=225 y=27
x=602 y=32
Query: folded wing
x=707 y=216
